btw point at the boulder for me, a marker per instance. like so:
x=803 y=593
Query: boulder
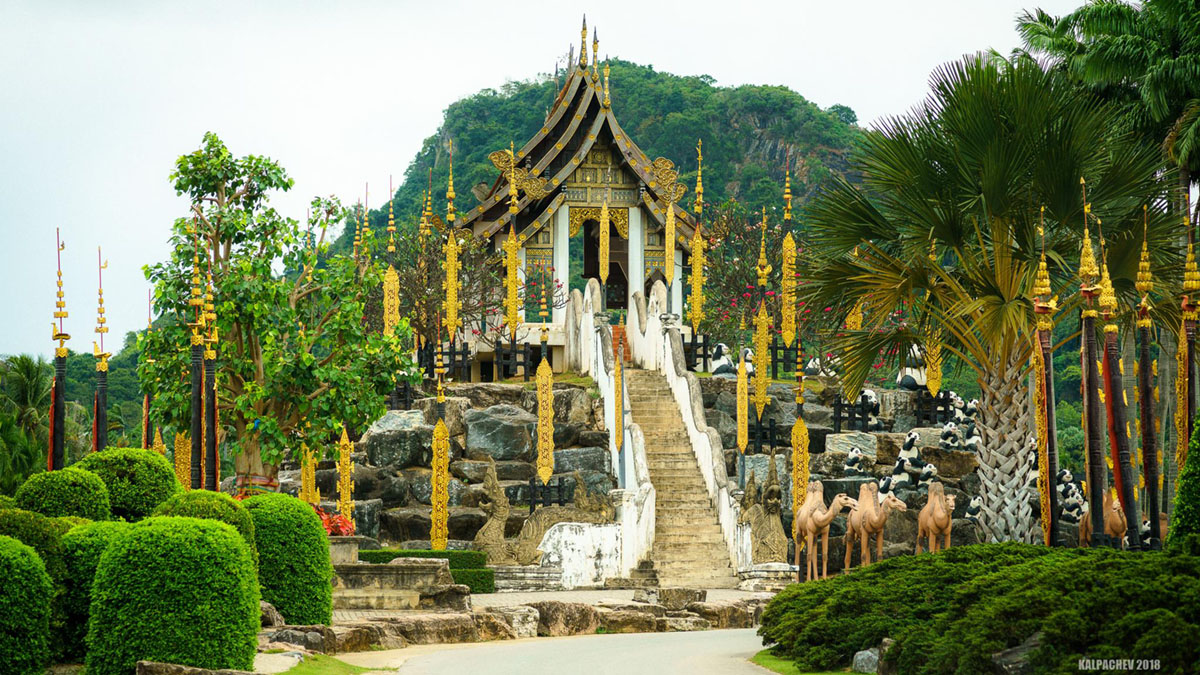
x=456 y=407
x=516 y=490
x=420 y=486
x=1012 y=661
x=951 y=463
x=491 y=626
x=887 y=448
x=473 y=470
x=865 y=661
x=617 y=606
x=818 y=438
x=868 y=443
x=500 y=432
x=899 y=405
x=832 y=463
x=557 y=618
x=361 y=637
x=627 y=621
x=849 y=486
x=819 y=415
x=725 y=425
x=413 y=522
x=269 y=615
x=674 y=598
x=572 y=405
x=384 y=483
x=399 y=439
x=488 y=394
x=725 y=614
x=599 y=482
x=726 y=402
x=582 y=459
x=565 y=434
x=156 y=668
x=366 y=515
x=593 y=438
x=522 y=620
x=313 y=638
x=680 y=624
x=425 y=628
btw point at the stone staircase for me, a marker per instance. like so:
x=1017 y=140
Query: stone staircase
x=689 y=549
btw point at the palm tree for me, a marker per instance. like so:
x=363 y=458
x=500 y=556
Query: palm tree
x=946 y=225
x=26 y=392
x=19 y=455
x=1144 y=56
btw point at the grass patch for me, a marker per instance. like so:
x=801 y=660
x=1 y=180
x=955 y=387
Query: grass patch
x=320 y=664
x=780 y=665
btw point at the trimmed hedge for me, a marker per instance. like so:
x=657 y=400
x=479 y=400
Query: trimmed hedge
x=950 y=611
x=25 y=598
x=480 y=580
x=459 y=560
x=82 y=548
x=44 y=536
x=1185 y=517
x=214 y=506
x=175 y=590
x=294 y=569
x=72 y=491
x=138 y=480
x=7 y=502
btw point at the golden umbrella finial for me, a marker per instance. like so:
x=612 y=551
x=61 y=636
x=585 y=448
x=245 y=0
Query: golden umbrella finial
x=391 y=228
x=450 y=190
x=787 y=189
x=595 y=54
x=763 y=268
x=60 y=305
x=607 y=100
x=583 y=44
x=1088 y=271
x=1145 y=280
x=1108 y=296
x=101 y=328
x=698 y=205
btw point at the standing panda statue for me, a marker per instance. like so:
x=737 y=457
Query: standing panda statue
x=949 y=439
x=873 y=421
x=971 y=439
x=912 y=376
x=854 y=464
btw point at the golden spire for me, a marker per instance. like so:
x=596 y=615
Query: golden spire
x=787 y=291
x=210 y=317
x=426 y=213
x=787 y=190
x=101 y=328
x=60 y=305
x=391 y=228
x=1108 y=296
x=763 y=268
x=512 y=303
x=512 y=185
x=1087 y=259
x=595 y=55
x=450 y=191
x=1145 y=281
x=1041 y=284
x=669 y=242
x=698 y=205
x=197 y=299
x=607 y=100
x=583 y=44
x=366 y=223
x=357 y=235
x=1191 y=276
x=696 y=301
x=762 y=375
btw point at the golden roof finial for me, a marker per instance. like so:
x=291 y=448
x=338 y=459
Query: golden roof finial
x=595 y=54
x=1108 y=296
x=197 y=299
x=357 y=234
x=1087 y=258
x=391 y=228
x=698 y=206
x=1191 y=276
x=763 y=268
x=1145 y=280
x=607 y=100
x=787 y=189
x=583 y=44
x=101 y=328
x=512 y=185
x=450 y=191
x=1041 y=284
x=60 y=305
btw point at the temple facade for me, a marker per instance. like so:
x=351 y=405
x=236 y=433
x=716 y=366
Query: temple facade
x=562 y=178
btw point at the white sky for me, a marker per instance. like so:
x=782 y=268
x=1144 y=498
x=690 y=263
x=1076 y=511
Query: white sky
x=97 y=99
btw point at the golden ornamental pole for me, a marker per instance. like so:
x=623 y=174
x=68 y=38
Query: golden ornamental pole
x=309 y=492
x=799 y=443
x=787 y=291
x=763 y=268
x=619 y=395
x=345 y=478
x=512 y=248
x=452 y=304
x=933 y=346
x=183 y=460
x=1146 y=394
x=1184 y=358
x=100 y=399
x=440 y=478
x=545 y=400
x=604 y=243
x=159 y=446
x=1044 y=306
x=762 y=329
x=56 y=458
x=696 y=278
x=391 y=278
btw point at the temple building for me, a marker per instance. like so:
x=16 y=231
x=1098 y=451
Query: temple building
x=580 y=159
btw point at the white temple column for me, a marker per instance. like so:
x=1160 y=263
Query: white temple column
x=677 y=281
x=562 y=258
x=637 y=247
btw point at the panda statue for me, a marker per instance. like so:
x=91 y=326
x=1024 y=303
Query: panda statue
x=873 y=421
x=854 y=464
x=958 y=409
x=912 y=376
x=1065 y=483
x=900 y=477
x=971 y=410
x=885 y=487
x=974 y=509
x=928 y=475
x=1074 y=509
x=910 y=452
x=949 y=438
x=721 y=365
x=971 y=439
x=824 y=366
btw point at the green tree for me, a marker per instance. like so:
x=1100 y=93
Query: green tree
x=294 y=355
x=20 y=454
x=966 y=174
x=27 y=382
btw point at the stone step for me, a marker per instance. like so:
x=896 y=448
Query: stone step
x=696 y=537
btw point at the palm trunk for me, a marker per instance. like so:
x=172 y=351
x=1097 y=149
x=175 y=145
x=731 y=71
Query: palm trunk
x=1095 y=435
x=1006 y=459
x=1149 y=438
x=1165 y=414
x=1122 y=467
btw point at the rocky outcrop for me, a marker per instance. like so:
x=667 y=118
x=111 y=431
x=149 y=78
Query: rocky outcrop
x=521 y=619
x=421 y=628
x=473 y=470
x=420 y=486
x=582 y=459
x=627 y=621
x=500 y=432
x=399 y=439
x=156 y=668
x=269 y=615
x=737 y=614
x=313 y=638
x=488 y=394
x=556 y=618
x=489 y=626
x=456 y=407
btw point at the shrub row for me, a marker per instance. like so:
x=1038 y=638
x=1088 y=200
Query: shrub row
x=459 y=560
x=480 y=580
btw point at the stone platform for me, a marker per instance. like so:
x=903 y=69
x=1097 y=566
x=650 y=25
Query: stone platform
x=403 y=584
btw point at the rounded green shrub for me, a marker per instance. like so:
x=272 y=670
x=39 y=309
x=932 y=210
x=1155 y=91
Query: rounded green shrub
x=1185 y=517
x=176 y=590
x=44 y=536
x=25 y=599
x=69 y=492
x=7 y=502
x=293 y=558
x=138 y=480
x=214 y=506
x=82 y=547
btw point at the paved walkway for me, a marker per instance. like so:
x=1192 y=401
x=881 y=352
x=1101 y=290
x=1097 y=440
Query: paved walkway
x=717 y=652
x=590 y=597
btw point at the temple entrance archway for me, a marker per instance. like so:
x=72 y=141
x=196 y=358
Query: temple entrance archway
x=616 y=290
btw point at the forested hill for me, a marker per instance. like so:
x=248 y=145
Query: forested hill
x=747 y=131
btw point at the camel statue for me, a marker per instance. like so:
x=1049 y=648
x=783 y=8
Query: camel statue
x=816 y=526
x=813 y=500
x=1114 y=522
x=935 y=518
x=867 y=519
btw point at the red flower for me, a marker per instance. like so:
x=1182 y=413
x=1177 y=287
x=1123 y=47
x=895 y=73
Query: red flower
x=828 y=309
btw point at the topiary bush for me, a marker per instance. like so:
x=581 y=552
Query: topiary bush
x=25 y=598
x=138 y=480
x=72 y=491
x=7 y=502
x=480 y=580
x=1185 y=516
x=44 y=536
x=459 y=560
x=214 y=506
x=294 y=569
x=82 y=547
x=176 y=590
